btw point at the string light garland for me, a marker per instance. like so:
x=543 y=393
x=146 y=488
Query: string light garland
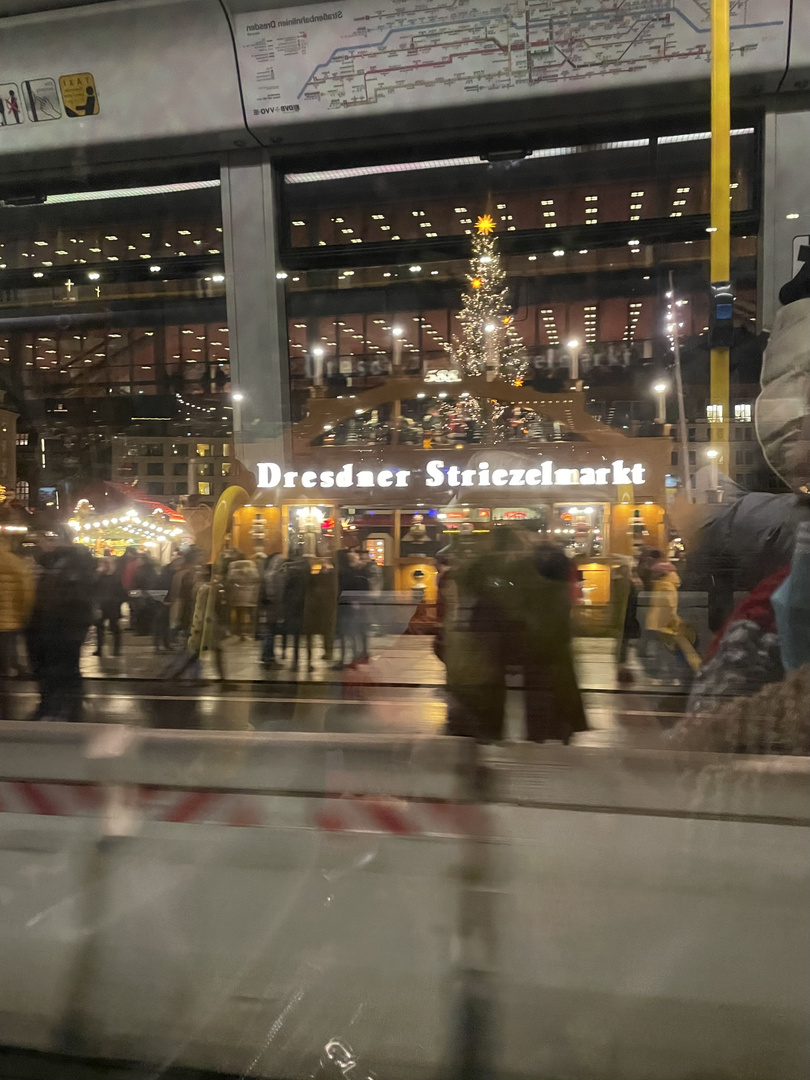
x=125 y=528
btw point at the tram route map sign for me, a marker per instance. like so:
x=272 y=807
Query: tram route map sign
x=362 y=56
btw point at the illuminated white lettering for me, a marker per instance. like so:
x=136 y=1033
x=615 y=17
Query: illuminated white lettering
x=269 y=474
x=433 y=473
x=438 y=475
x=621 y=474
x=344 y=477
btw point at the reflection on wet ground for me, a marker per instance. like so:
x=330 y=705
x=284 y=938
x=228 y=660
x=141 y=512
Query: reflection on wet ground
x=400 y=691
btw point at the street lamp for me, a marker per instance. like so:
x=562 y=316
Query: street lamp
x=237 y=397
x=396 y=358
x=573 y=351
x=714 y=474
x=660 y=390
x=317 y=353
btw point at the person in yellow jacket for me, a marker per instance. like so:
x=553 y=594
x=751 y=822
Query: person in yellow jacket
x=665 y=627
x=16 y=601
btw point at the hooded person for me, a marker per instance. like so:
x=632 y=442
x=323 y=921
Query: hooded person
x=63 y=611
x=753 y=692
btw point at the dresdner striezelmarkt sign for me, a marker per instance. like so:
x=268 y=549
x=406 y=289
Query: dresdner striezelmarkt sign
x=439 y=475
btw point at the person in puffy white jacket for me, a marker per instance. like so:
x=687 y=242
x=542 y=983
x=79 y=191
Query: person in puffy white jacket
x=783 y=406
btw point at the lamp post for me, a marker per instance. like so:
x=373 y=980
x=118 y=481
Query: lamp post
x=317 y=354
x=237 y=397
x=714 y=475
x=396 y=352
x=573 y=352
x=686 y=474
x=660 y=389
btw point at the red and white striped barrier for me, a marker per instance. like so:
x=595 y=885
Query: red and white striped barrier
x=338 y=814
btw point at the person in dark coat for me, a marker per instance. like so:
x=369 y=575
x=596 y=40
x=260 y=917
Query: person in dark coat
x=352 y=618
x=480 y=634
x=554 y=707
x=511 y=609
x=295 y=589
x=142 y=605
x=62 y=614
x=271 y=602
x=109 y=596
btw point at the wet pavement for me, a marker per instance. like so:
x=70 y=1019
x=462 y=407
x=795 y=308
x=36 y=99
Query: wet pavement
x=399 y=691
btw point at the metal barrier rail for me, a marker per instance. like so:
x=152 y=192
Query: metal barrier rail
x=243 y=902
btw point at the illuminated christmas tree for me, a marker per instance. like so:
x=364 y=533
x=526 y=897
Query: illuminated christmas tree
x=489 y=344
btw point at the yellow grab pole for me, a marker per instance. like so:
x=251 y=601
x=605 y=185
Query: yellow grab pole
x=721 y=208
x=228 y=503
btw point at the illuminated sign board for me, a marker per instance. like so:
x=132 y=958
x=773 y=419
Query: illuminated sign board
x=439 y=475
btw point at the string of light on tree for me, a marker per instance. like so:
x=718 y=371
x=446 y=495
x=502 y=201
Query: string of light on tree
x=489 y=339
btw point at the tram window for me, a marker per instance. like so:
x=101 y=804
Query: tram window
x=97 y=240
x=391 y=318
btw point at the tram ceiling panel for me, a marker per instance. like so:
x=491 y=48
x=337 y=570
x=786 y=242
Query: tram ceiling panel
x=161 y=74
x=356 y=68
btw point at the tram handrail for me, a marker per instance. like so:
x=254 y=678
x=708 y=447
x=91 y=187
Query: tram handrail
x=656 y=782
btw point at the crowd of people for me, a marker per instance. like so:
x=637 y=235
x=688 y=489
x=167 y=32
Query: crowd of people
x=56 y=596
